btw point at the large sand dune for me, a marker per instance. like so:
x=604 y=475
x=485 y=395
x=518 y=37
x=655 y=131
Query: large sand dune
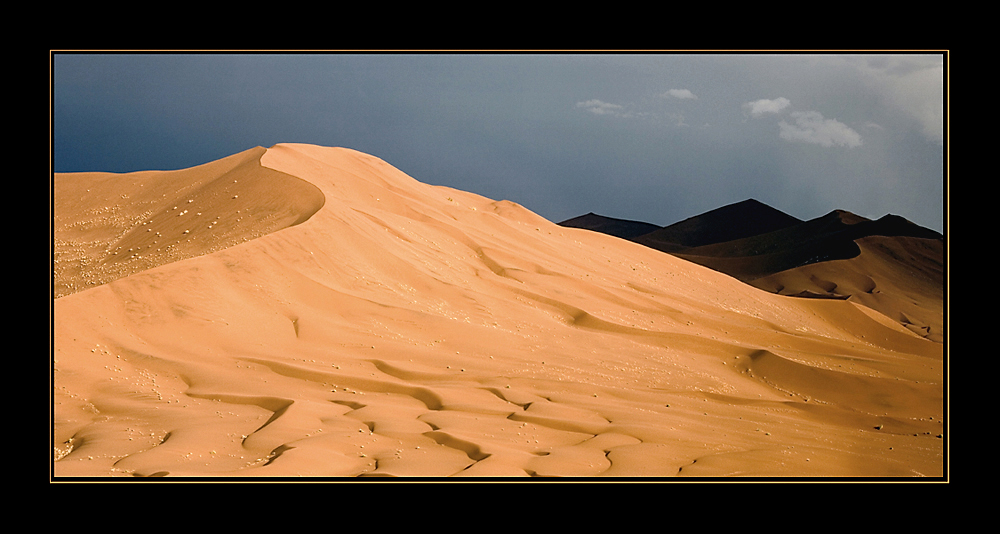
x=334 y=317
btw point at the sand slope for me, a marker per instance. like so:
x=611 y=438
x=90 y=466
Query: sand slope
x=390 y=328
x=890 y=265
x=900 y=277
x=108 y=226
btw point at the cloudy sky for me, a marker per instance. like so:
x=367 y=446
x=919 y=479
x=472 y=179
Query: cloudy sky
x=655 y=137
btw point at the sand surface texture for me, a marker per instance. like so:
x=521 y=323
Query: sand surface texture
x=316 y=312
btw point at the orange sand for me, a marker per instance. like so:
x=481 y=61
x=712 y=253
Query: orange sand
x=326 y=315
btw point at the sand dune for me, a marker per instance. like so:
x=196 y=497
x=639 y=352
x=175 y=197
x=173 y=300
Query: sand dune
x=913 y=296
x=889 y=265
x=334 y=317
x=717 y=226
x=109 y=226
x=622 y=228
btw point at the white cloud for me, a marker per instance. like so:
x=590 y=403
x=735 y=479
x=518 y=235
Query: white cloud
x=762 y=106
x=811 y=127
x=680 y=93
x=601 y=108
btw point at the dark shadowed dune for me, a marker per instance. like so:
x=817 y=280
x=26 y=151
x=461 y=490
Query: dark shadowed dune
x=622 y=228
x=728 y=223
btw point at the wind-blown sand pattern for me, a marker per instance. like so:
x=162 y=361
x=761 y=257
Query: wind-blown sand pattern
x=326 y=315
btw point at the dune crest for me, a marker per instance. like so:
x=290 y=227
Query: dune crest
x=108 y=226
x=410 y=330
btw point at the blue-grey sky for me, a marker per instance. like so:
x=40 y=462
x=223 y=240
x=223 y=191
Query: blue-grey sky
x=655 y=137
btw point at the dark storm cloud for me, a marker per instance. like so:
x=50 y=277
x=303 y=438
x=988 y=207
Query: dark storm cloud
x=653 y=137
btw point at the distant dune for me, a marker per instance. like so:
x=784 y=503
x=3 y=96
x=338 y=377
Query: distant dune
x=717 y=226
x=622 y=228
x=890 y=265
x=304 y=311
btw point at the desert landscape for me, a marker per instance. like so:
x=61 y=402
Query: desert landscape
x=314 y=312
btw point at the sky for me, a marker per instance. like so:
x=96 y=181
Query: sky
x=653 y=137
